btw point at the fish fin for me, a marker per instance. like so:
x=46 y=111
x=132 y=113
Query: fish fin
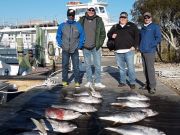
x=91 y=87
x=87 y=114
x=39 y=126
x=115 y=123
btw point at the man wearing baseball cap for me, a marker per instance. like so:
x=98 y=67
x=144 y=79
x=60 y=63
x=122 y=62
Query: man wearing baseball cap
x=126 y=37
x=95 y=35
x=150 y=38
x=70 y=37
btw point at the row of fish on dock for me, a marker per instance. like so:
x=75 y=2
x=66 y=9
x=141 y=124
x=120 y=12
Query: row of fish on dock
x=140 y=111
x=58 y=116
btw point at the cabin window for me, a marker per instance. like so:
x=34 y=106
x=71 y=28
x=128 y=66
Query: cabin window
x=96 y=9
x=81 y=11
x=101 y=9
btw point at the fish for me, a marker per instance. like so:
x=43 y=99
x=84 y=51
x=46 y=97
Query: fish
x=134 y=96
x=55 y=126
x=125 y=117
x=85 y=99
x=57 y=113
x=90 y=93
x=61 y=114
x=131 y=103
x=79 y=107
x=84 y=93
x=135 y=130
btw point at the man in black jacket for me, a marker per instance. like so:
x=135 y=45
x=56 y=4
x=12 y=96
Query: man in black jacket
x=126 y=38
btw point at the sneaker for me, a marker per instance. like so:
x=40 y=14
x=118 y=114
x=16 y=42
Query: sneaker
x=132 y=86
x=77 y=85
x=121 y=85
x=88 y=84
x=65 y=84
x=99 y=85
x=152 y=91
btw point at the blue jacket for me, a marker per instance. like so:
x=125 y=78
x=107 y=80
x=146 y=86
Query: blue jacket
x=150 y=37
x=70 y=36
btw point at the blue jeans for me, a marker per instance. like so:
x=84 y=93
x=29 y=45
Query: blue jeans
x=65 y=65
x=96 y=55
x=123 y=60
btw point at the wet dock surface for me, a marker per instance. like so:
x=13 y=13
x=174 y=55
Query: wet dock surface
x=15 y=115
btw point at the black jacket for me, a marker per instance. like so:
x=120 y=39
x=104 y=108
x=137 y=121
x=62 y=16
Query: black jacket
x=127 y=36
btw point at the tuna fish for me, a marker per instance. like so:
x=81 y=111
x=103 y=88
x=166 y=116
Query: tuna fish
x=126 y=117
x=135 y=130
x=57 y=113
x=134 y=96
x=79 y=107
x=85 y=99
x=84 y=93
x=61 y=114
x=90 y=93
x=55 y=126
x=131 y=103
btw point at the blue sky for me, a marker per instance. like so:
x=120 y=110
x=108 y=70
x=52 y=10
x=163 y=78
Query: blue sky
x=13 y=11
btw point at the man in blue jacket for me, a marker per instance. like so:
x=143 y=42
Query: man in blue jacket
x=150 y=38
x=70 y=37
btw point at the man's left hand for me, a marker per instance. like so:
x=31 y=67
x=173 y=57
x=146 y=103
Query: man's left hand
x=132 y=48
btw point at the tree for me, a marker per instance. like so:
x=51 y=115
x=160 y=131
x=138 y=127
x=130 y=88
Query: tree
x=166 y=13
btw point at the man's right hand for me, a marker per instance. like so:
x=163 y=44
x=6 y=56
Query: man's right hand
x=114 y=36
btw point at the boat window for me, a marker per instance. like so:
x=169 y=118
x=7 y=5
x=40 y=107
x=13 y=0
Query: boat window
x=102 y=9
x=96 y=9
x=81 y=11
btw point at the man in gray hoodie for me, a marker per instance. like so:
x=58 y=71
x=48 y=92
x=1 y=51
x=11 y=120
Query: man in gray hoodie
x=70 y=37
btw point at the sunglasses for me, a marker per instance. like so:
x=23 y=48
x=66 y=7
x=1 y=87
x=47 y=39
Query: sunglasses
x=123 y=17
x=92 y=10
x=147 y=17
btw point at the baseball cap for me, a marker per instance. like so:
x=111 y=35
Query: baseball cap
x=71 y=12
x=91 y=8
x=147 y=14
x=123 y=14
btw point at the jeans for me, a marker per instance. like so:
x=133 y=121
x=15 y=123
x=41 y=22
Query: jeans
x=96 y=55
x=123 y=60
x=65 y=65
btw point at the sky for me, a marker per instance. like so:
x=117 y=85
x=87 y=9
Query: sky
x=17 y=11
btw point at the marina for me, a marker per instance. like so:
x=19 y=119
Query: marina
x=36 y=103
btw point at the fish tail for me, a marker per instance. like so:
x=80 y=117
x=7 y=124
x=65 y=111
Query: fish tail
x=69 y=98
x=39 y=126
x=91 y=87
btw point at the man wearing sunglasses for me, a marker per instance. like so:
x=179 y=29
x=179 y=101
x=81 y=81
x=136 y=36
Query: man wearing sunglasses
x=150 y=38
x=126 y=37
x=95 y=35
x=70 y=37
